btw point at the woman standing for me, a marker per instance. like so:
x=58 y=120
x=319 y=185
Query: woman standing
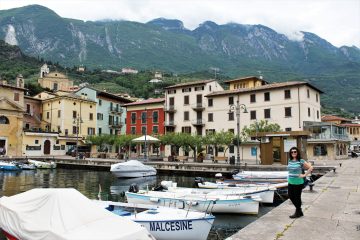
x=296 y=179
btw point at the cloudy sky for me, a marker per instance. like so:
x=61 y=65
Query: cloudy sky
x=337 y=21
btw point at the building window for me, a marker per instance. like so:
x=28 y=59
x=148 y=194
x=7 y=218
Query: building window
x=186 y=116
x=16 y=97
x=188 y=89
x=308 y=93
x=209 y=131
x=75 y=130
x=317 y=114
x=100 y=102
x=267 y=113
x=143 y=117
x=155 y=129
x=91 y=116
x=133 y=130
x=91 y=131
x=231 y=100
x=100 y=116
x=111 y=131
x=155 y=117
x=143 y=130
x=288 y=112
x=99 y=131
x=309 y=112
x=74 y=114
x=111 y=106
x=47 y=115
x=287 y=129
x=186 y=100
x=287 y=94
x=28 y=108
x=210 y=102
x=231 y=149
x=186 y=129
x=253 y=98
x=58 y=129
x=59 y=113
x=66 y=131
x=133 y=118
x=317 y=97
x=267 y=96
x=210 y=88
x=4 y=120
x=231 y=116
x=210 y=117
x=253 y=115
x=320 y=150
x=27 y=126
x=200 y=88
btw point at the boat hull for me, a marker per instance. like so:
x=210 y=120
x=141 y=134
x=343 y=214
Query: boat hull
x=234 y=205
x=133 y=173
x=43 y=165
x=193 y=229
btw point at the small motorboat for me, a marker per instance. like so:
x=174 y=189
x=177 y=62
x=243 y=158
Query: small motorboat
x=132 y=169
x=165 y=223
x=63 y=214
x=27 y=166
x=9 y=166
x=261 y=176
x=266 y=194
x=197 y=202
x=43 y=165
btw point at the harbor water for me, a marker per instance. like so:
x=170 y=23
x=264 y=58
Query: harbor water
x=102 y=183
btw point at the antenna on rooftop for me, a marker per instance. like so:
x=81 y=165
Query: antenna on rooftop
x=216 y=70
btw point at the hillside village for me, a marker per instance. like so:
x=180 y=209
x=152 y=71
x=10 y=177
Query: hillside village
x=68 y=117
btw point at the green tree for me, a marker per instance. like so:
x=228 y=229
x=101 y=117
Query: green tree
x=261 y=126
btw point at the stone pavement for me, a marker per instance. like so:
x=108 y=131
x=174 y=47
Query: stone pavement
x=332 y=211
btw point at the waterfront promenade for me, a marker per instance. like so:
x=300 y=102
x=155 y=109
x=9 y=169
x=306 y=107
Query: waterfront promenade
x=332 y=211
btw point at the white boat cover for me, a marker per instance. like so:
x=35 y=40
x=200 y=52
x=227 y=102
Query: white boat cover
x=51 y=214
x=132 y=163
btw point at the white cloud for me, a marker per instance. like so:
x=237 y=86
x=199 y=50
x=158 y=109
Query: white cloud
x=337 y=21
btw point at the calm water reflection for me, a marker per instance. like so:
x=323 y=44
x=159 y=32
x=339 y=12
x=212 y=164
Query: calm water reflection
x=88 y=182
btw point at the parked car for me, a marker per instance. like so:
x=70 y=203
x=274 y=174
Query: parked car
x=83 y=151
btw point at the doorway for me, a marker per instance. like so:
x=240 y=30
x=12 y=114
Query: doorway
x=47 y=146
x=2 y=147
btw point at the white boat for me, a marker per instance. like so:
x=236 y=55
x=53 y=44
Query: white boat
x=261 y=176
x=121 y=185
x=132 y=169
x=266 y=194
x=66 y=214
x=27 y=166
x=166 y=223
x=43 y=165
x=197 y=202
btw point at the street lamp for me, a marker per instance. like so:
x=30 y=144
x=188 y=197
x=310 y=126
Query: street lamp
x=77 y=121
x=237 y=108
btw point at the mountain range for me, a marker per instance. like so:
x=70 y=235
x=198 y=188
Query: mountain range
x=235 y=49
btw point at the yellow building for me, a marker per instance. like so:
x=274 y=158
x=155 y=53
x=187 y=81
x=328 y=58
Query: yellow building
x=55 y=81
x=246 y=82
x=71 y=116
x=11 y=117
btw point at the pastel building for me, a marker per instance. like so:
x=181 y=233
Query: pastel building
x=71 y=116
x=110 y=115
x=54 y=80
x=11 y=117
x=145 y=117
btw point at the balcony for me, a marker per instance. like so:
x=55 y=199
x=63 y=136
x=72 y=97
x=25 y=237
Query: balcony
x=198 y=106
x=169 y=124
x=170 y=108
x=116 y=125
x=115 y=110
x=198 y=122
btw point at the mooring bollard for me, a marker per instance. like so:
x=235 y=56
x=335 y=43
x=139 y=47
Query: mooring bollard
x=311 y=186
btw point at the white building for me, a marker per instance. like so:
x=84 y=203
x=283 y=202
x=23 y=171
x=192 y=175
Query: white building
x=129 y=71
x=203 y=106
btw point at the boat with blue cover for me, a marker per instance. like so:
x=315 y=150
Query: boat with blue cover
x=8 y=166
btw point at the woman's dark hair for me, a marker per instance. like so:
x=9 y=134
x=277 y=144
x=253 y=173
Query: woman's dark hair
x=298 y=157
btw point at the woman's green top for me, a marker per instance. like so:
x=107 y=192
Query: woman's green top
x=295 y=169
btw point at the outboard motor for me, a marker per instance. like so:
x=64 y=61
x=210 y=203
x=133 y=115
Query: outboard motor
x=158 y=188
x=134 y=188
x=198 y=180
x=236 y=171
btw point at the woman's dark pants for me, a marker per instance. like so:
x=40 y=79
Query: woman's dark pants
x=294 y=192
